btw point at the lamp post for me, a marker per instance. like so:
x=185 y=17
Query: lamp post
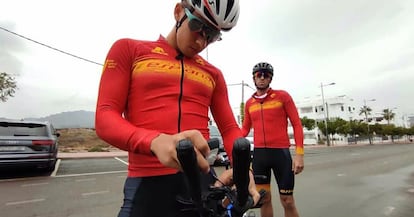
x=242 y=96
x=325 y=108
x=366 y=118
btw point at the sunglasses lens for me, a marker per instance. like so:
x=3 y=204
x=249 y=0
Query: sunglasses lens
x=211 y=34
x=196 y=25
x=262 y=75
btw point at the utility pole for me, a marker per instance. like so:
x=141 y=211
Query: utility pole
x=325 y=109
x=366 y=119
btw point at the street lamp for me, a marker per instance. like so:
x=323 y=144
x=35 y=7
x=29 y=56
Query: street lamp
x=325 y=108
x=366 y=118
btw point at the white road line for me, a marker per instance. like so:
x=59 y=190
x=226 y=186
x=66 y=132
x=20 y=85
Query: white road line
x=388 y=210
x=94 y=193
x=35 y=184
x=119 y=159
x=85 y=180
x=56 y=168
x=90 y=174
x=25 y=201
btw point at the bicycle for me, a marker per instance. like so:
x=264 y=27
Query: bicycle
x=209 y=202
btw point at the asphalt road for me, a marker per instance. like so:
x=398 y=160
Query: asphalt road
x=360 y=181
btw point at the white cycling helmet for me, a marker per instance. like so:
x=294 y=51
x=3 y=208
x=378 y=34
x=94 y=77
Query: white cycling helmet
x=223 y=14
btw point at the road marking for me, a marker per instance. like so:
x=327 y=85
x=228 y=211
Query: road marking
x=389 y=210
x=85 y=180
x=56 y=168
x=35 y=184
x=25 y=201
x=341 y=174
x=119 y=159
x=94 y=193
x=90 y=174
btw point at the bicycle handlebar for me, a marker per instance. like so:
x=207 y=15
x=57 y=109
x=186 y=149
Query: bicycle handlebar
x=187 y=157
x=241 y=164
x=209 y=204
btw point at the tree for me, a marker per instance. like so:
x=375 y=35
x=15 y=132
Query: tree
x=367 y=111
x=308 y=123
x=7 y=86
x=388 y=115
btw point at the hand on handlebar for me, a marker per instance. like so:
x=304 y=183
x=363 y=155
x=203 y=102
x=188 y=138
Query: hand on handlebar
x=164 y=147
x=226 y=178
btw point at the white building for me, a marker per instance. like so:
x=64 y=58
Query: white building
x=340 y=107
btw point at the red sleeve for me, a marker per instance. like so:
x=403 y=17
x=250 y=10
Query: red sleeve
x=294 y=118
x=224 y=117
x=110 y=124
x=247 y=122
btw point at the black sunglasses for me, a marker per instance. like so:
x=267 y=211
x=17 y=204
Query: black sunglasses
x=262 y=74
x=195 y=24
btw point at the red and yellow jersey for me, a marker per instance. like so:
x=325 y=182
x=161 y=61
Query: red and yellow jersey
x=269 y=118
x=145 y=90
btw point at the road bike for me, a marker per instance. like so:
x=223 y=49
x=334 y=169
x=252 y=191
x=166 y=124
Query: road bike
x=224 y=201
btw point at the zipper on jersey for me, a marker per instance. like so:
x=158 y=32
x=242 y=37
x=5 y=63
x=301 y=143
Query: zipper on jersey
x=180 y=57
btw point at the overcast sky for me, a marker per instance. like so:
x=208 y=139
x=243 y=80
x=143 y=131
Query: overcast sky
x=365 y=47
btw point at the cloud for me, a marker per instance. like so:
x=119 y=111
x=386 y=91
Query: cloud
x=9 y=48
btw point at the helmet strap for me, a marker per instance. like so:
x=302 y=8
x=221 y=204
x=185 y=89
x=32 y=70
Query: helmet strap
x=180 y=22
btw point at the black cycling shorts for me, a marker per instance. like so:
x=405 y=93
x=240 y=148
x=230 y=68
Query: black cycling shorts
x=157 y=196
x=279 y=160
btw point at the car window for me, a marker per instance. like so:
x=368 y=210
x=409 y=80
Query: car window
x=22 y=129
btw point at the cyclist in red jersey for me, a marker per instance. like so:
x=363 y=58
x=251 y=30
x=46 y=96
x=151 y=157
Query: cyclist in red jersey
x=153 y=94
x=267 y=112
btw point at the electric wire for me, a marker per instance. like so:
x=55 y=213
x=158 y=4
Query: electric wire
x=50 y=47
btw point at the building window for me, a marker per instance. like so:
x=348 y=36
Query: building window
x=342 y=108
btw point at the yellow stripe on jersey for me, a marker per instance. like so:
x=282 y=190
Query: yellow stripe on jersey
x=173 y=68
x=267 y=105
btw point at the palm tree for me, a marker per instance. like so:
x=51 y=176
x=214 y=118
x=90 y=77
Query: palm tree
x=366 y=111
x=388 y=115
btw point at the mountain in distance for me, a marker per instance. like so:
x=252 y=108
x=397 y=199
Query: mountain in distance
x=71 y=119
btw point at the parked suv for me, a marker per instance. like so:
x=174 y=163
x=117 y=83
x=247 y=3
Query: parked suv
x=28 y=143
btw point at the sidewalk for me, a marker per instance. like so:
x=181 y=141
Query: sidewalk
x=70 y=155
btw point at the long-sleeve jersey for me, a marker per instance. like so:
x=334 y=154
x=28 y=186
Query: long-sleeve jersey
x=269 y=118
x=146 y=88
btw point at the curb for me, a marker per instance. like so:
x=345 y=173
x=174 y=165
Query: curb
x=64 y=155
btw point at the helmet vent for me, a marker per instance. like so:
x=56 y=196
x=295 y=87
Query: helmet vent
x=211 y=18
x=230 y=4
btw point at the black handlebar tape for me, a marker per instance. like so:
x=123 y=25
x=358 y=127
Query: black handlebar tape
x=188 y=160
x=241 y=165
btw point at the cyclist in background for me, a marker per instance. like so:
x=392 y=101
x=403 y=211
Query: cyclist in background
x=153 y=94
x=268 y=112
